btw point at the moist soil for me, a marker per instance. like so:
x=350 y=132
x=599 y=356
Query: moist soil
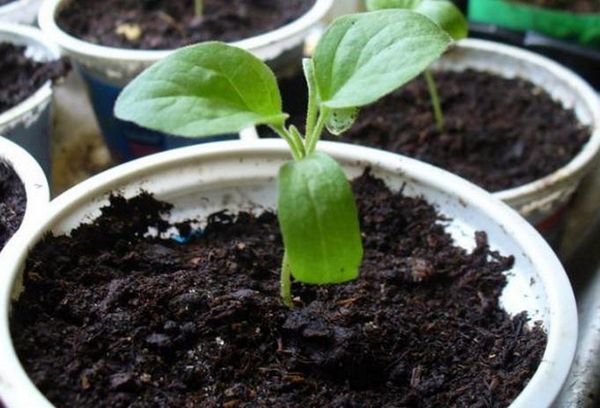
x=114 y=318
x=499 y=133
x=576 y=6
x=168 y=24
x=13 y=202
x=21 y=76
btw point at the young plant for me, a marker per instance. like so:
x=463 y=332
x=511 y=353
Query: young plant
x=214 y=88
x=445 y=14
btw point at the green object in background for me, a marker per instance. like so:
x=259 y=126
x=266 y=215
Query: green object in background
x=583 y=28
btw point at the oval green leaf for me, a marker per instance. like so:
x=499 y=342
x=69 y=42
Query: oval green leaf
x=363 y=57
x=203 y=90
x=443 y=12
x=319 y=221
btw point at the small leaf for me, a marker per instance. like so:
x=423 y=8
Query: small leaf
x=442 y=12
x=203 y=90
x=319 y=221
x=363 y=57
x=341 y=120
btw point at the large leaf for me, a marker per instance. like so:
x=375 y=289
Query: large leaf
x=443 y=12
x=363 y=57
x=319 y=221
x=203 y=90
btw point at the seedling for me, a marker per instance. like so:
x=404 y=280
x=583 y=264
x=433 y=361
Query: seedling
x=445 y=14
x=213 y=88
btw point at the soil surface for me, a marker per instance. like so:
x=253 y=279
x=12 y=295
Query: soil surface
x=13 y=202
x=576 y=6
x=168 y=24
x=499 y=133
x=21 y=76
x=3 y=2
x=112 y=318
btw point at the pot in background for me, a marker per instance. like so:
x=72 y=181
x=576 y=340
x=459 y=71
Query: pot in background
x=29 y=124
x=35 y=182
x=542 y=202
x=107 y=70
x=201 y=180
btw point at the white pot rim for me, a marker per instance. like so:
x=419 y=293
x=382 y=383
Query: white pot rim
x=33 y=178
x=562 y=333
x=47 y=22
x=585 y=158
x=45 y=91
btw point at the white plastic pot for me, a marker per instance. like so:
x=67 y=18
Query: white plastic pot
x=543 y=201
x=20 y=11
x=106 y=71
x=35 y=182
x=29 y=124
x=202 y=179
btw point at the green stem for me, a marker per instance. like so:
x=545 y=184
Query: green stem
x=293 y=140
x=311 y=114
x=198 y=8
x=435 y=100
x=313 y=137
x=286 y=282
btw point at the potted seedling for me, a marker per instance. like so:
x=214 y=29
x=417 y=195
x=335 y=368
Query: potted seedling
x=167 y=298
x=24 y=192
x=496 y=101
x=29 y=65
x=19 y=11
x=111 y=43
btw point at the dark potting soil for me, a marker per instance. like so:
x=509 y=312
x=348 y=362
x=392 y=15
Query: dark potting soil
x=13 y=202
x=576 y=6
x=21 y=76
x=168 y=24
x=112 y=318
x=499 y=133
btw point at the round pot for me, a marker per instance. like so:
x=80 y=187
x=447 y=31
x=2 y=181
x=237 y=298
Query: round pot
x=195 y=181
x=34 y=180
x=107 y=70
x=542 y=202
x=581 y=27
x=29 y=124
x=20 y=11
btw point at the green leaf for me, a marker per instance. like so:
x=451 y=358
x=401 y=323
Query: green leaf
x=203 y=90
x=319 y=221
x=341 y=120
x=443 y=12
x=363 y=57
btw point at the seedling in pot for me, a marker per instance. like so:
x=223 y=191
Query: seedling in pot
x=445 y=14
x=213 y=88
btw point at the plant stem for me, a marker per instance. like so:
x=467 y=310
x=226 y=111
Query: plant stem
x=198 y=8
x=313 y=137
x=311 y=114
x=293 y=140
x=286 y=282
x=435 y=100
